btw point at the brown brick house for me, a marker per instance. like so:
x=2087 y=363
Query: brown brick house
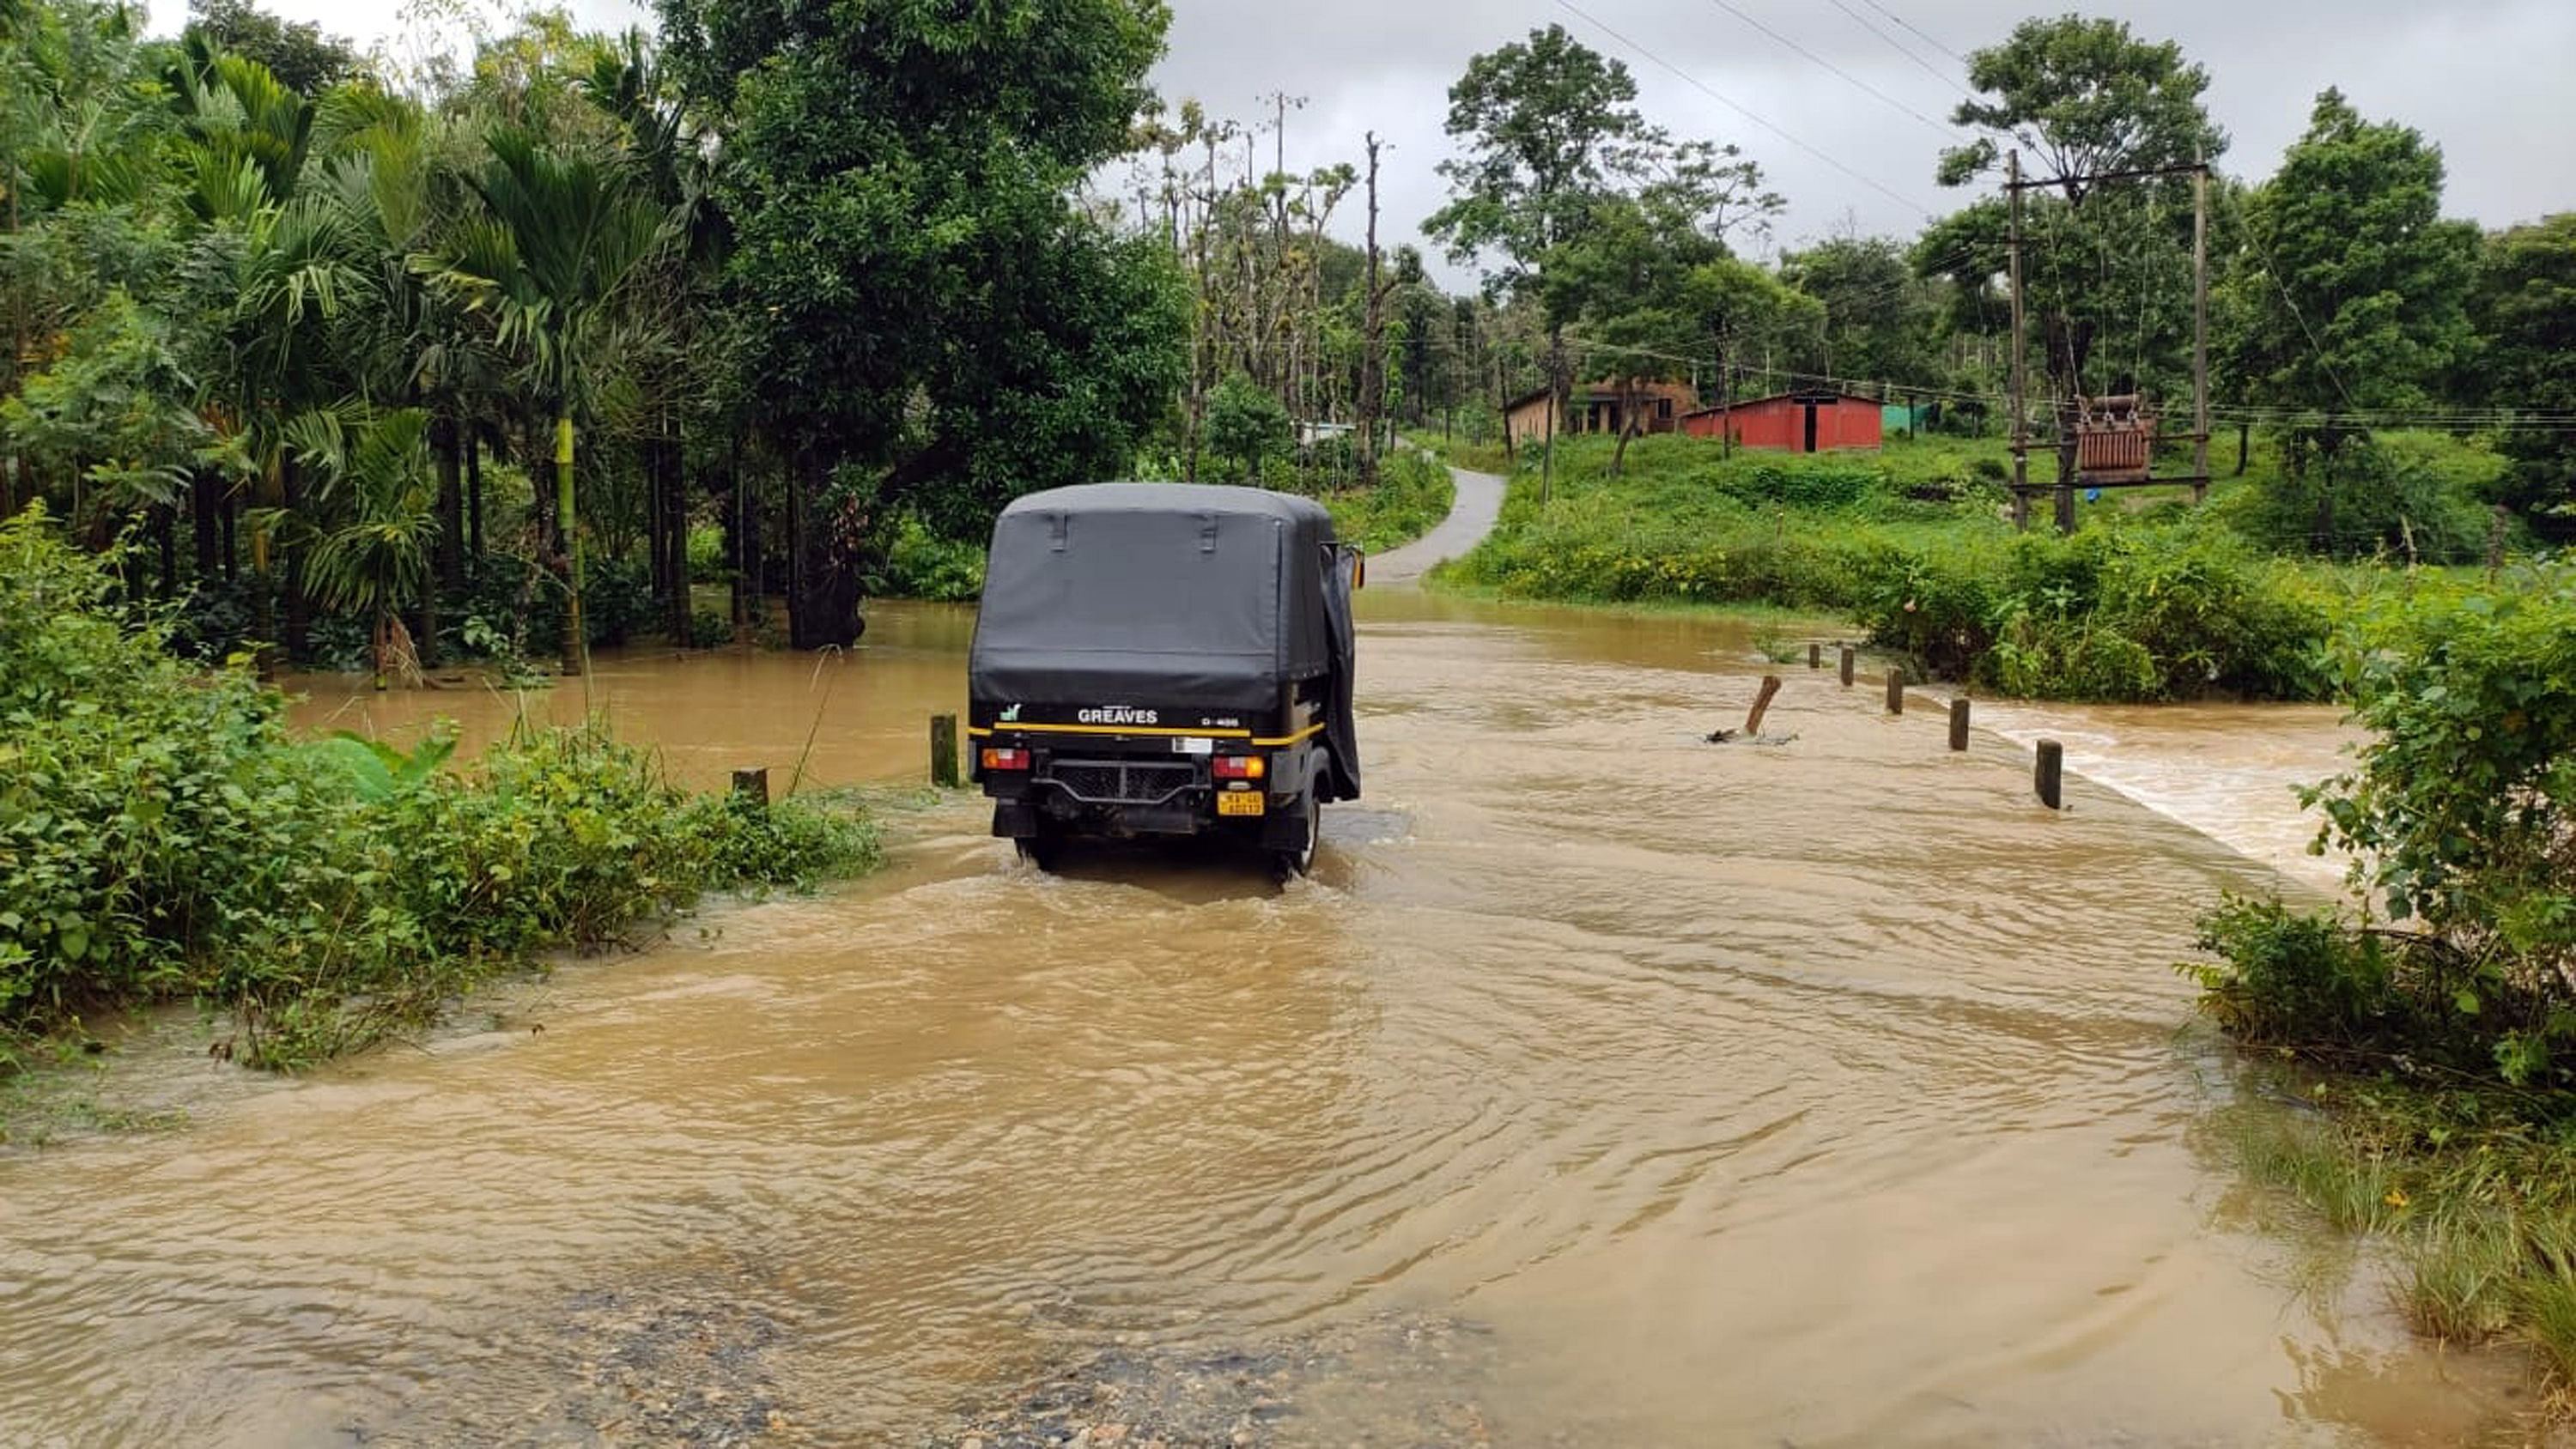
x=1597 y=409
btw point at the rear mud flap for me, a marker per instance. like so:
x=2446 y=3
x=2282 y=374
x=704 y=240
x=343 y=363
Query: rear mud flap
x=1015 y=820
x=1284 y=827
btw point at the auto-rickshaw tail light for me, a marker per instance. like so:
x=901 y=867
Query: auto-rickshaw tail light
x=1241 y=767
x=1006 y=759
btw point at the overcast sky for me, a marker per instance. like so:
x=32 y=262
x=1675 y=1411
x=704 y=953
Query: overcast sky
x=2493 y=83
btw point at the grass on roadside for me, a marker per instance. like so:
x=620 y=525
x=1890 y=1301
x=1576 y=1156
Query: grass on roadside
x=2475 y=1198
x=1412 y=495
x=2152 y=599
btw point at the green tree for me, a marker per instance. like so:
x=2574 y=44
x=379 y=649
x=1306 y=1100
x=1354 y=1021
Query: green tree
x=2105 y=261
x=1247 y=424
x=112 y=415
x=2357 y=290
x=1878 y=315
x=377 y=557
x=2084 y=96
x=2363 y=286
x=1741 y=312
x=1624 y=277
x=1550 y=127
x=87 y=212
x=298 y=53
x=925 y=318
x=2525 y=309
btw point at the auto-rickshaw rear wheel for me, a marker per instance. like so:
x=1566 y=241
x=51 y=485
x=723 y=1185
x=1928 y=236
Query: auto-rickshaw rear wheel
x=1290 y=862
x=1045 y=850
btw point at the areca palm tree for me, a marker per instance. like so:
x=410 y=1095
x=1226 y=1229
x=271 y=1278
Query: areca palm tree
x=560 y=242
x=377 y=556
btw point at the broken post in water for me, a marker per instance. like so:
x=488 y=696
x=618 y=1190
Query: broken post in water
x=1761 y=703
x=943 y=751
x=752 y=788
x=1848 y=658
x=2049 y=775
x=1815 y=656
x=1896 y=689
x=1959 y=723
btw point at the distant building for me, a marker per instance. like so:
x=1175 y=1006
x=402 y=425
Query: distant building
x=1794 y=422
x=1597 y=409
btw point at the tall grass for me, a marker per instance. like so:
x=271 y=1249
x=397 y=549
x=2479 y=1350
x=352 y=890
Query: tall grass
x=2476 y=1204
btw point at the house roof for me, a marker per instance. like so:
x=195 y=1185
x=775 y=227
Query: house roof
x=1590 y=392
x=1808 y=395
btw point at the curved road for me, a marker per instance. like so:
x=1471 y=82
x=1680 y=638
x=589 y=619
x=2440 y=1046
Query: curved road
x=1479 y=506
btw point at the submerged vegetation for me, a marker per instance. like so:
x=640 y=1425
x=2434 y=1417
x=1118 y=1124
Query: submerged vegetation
x=162 y=837
x=2436 y=1021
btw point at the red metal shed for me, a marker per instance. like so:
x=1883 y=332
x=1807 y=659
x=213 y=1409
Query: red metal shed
x=1794 y=422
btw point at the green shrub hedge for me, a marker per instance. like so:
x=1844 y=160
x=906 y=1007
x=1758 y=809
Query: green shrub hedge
x=163 y=837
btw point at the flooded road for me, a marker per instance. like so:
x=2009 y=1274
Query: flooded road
x=1605 y=1087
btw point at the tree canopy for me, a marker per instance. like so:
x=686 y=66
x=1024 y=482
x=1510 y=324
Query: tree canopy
x=2354 y=277
x=918 y=307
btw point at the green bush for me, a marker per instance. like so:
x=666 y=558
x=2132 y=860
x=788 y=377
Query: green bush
x=617 y=601
x=1246 y=424
x=2128 y=609
x=915 y=563
x=1413 y=494
x=2444 y=1012
x=2409 y=495
x=2297 y=978
x=161 y=836
x=707 y=561
x=2461 y=818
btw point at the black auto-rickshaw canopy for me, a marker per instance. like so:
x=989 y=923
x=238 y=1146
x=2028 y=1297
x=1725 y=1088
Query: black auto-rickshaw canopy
x=1165 y=593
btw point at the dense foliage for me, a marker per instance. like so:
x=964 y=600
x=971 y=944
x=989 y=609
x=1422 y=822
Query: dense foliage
x=2434 y=1025
x=161 y=836
x=2461 y=819
x=916 y=300
x=412 y=359
x=2524 y=308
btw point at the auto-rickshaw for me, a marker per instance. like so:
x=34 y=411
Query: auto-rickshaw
x=1164 y=659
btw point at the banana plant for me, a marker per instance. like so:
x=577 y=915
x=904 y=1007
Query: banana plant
x=378 y=771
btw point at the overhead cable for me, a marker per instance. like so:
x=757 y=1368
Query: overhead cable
x=1704 y=88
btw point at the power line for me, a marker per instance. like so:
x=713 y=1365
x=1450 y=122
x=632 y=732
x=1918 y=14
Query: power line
x=2314 y=347
x=1947 y=81
x=1943 y=127
x=1908 y=24
x=2495 y=421
x=1704 y=89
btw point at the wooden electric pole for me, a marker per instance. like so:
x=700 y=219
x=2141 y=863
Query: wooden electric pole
x=1372 y=399
x=2020 y=382
x=2070 y=430
x=2200 y=329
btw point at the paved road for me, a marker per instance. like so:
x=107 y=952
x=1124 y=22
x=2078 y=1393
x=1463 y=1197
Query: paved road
x=1480 y=503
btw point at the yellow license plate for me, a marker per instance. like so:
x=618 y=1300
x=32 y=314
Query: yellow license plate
x=1239 y=802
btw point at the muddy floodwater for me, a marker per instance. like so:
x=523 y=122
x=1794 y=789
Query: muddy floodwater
x=1604 y=1087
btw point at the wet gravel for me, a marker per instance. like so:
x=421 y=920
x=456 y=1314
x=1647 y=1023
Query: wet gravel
x=696 y=1363
x=616 y=1368
x=1382 y=1382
